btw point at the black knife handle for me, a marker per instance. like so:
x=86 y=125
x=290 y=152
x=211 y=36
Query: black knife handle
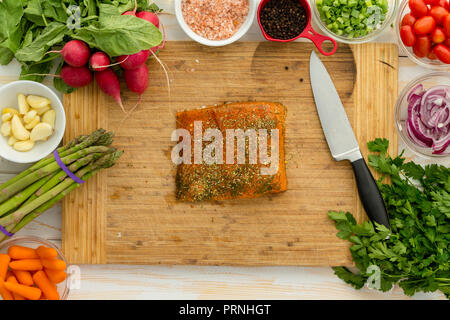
x=370 y=194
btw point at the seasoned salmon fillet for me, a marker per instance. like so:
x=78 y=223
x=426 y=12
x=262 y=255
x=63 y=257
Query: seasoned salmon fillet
x=233 y=178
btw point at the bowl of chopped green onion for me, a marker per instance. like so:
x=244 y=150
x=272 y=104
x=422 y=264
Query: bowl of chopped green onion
x=353 y=21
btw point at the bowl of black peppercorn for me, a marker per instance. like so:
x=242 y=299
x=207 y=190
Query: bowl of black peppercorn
x=288 y=20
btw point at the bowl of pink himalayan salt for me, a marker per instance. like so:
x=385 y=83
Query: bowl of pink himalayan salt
x=215 y=22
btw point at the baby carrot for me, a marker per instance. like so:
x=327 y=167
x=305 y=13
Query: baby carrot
x=4 y=262
x=6 y=295
x=24 y=277
x=16 y=296
x=43 y=283
x=26 y=265
x=31 y=293
x=19 y=252
x=54 y=264
x=46 y=253
x=55 y=276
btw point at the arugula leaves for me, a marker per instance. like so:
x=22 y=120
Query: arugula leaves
x=415 y=255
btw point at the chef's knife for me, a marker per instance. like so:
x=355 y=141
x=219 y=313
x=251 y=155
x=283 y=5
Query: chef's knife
x=341 y=139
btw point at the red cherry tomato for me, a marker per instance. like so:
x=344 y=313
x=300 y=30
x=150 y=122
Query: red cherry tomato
x=418 y=8
x=444 y=4
x=408 y=36
x=424 y=25
x=438 y=13
x=438 y=35
x=408 y=20
x=431 y=56
x=422 y=47
x=432 y=2
x=446 y=25
x=442 y=53
x=447 y=42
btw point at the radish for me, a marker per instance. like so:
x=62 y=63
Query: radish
x=99 y=61
x=133 y=61
x=137 y=79
x=149 y=16
x=131 y=13
x=75 y=53
x=109 y=84
x=76 y=77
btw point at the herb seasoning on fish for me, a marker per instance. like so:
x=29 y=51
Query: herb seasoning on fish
x=283 y=19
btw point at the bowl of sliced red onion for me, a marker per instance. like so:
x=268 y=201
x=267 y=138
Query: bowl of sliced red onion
x=423 y=114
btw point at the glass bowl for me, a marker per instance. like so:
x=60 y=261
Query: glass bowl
x=401 y=110
x=34 y=242
x=393 y=4
x=424 y=62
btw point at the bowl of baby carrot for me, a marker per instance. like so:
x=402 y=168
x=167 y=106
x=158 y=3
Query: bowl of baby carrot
x=32 y=269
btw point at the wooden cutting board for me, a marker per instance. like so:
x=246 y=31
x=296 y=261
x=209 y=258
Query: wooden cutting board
x=128 y=214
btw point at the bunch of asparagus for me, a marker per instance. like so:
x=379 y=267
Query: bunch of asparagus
x=32 y=192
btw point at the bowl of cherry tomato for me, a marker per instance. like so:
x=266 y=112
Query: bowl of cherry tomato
x=423 y=32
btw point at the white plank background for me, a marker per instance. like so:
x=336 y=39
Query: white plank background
x=188 y=282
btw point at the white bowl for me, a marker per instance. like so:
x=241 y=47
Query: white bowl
x=216 y=43
x=8 y=98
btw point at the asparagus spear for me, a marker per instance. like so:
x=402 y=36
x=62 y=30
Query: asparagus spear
x=19 y=198
x=48 y=169
x=44 y=207
x=105 y=161
x=65 y=151
x=60 y=175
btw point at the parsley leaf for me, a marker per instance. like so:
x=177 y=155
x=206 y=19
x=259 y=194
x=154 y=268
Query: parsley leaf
x=415 y=254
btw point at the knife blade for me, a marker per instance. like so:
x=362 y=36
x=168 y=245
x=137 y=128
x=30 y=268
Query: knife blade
x=342 y=141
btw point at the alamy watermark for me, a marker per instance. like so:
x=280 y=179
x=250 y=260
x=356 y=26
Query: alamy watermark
x=251 y=144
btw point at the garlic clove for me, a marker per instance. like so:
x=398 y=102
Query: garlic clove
x=29 y=116
x=23 y=146
x=23 y=104
x=12 y=140
x=10 y=110
x=18 y=130
x=33 y=123
x=37 y=102
x=6 y=129
x=41 y=111
x=41 y=132
x=6 y=117
x=49 y=117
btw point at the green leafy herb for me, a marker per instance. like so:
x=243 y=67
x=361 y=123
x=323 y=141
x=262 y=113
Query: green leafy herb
x=415 y=255
x=112 y=35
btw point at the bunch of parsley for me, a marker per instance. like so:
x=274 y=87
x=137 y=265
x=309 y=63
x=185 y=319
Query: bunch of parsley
x=415 y=254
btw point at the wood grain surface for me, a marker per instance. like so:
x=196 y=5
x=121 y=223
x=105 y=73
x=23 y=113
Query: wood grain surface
x=128 y=214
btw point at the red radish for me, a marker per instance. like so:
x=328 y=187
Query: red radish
x=76 y=77
x=75 y=53
x=133 y=61
x=137 y=79
x=99 y=61
x=163 y=43
x=149 y=16
x=131 y=13
x=109 y=84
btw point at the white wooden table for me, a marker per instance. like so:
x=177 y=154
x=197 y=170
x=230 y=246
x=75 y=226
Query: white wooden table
x=189 y=282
